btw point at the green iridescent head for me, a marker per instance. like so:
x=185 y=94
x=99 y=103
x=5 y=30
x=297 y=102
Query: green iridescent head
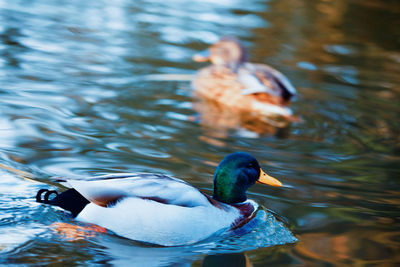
x=235 y=174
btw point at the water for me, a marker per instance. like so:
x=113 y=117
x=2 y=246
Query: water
x=94 y=87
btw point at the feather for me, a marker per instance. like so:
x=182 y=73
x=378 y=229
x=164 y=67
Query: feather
x=106 y=190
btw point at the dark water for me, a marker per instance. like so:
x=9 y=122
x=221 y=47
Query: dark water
x=93 y=87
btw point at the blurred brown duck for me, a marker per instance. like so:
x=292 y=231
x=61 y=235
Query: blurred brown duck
x=249 y=87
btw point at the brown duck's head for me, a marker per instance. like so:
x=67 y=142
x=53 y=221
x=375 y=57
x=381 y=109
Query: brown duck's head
x=226 y=52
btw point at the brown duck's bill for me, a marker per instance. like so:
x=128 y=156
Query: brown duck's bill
x=202 y=56
x=269 y=180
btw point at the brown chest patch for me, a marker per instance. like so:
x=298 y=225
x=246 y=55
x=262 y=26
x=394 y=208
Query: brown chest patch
x=246 y=214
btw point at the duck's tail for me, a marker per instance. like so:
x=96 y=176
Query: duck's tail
x=70 y=200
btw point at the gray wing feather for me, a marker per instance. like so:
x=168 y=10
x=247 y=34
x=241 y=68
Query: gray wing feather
x=103 y=190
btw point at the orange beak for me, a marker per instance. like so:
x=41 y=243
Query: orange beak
x=269 y=180
x=202 y=56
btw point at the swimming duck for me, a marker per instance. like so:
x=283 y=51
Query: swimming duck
x=162 y=210
x=250 y=87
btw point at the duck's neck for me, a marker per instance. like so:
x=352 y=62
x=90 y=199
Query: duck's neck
x=226 y=189
x=234 y=66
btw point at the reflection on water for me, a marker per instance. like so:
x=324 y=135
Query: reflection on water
x=74 y=101
x=220 y=120
x=232 y=259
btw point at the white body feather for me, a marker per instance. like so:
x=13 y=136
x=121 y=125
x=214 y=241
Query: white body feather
x=186 y=216
x=268 y=109
x=156 y=223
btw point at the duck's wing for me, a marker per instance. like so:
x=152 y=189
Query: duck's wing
x=108 y=189
x=252 y=84
x=261 y=78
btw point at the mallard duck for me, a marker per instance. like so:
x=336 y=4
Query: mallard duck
x=162 y=210
x=249 y=87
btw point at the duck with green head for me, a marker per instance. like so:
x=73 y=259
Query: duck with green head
x=162 y=210
x=242 y=85
x=235 y=174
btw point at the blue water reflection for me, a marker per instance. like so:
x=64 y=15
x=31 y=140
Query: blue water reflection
x=90 y=87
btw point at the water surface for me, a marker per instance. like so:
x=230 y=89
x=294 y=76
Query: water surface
x=94 y=87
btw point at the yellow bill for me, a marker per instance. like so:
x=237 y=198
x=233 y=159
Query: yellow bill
x=269 y=180
x=202 y=56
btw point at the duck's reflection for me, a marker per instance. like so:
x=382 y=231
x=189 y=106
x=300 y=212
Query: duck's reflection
x=229 y=259
x=124 y=252
x=223 y=119
x=127 y=253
